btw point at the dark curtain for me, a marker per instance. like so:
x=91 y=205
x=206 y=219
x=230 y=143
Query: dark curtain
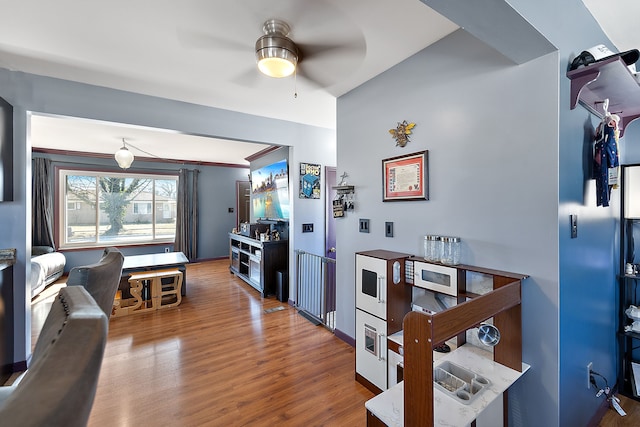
x=187 y=214
x=42 y=204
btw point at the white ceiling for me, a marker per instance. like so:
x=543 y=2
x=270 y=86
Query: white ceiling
x=619 y=21
x=202 y=51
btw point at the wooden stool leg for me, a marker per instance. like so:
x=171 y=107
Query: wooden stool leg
x=173 y=289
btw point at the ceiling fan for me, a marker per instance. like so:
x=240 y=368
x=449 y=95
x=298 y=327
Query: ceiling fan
x=277 y=55
x=339 y=51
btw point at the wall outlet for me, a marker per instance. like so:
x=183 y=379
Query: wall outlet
x=166 y=250
x=589 y=367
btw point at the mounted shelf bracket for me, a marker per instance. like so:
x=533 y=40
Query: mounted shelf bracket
x=608 y=79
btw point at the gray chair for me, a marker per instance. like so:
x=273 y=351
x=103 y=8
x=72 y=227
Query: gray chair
x=59 y=387
x=100 y=279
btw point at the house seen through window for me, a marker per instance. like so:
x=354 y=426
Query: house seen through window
x=101 y=209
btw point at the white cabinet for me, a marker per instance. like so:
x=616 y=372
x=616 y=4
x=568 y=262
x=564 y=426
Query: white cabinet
x=371 y=285
x=382 y=299
x=371 y=351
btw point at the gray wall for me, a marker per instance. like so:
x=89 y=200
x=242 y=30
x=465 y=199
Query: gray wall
x=490 y=128
x=508 y=165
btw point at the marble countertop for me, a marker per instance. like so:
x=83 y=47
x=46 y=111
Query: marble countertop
x=388 y=406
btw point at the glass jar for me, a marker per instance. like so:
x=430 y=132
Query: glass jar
x=450 y=252
x=432 y=248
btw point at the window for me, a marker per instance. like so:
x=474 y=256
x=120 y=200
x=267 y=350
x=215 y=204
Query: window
x=101 y=209
x=142 y=208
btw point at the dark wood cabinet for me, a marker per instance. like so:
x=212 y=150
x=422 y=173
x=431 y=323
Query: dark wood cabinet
x=258 y=263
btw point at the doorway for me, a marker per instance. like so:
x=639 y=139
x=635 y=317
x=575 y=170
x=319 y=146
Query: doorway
x=243 y=200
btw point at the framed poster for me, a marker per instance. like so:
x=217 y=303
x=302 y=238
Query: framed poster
x=405 y=177
x=309 y=181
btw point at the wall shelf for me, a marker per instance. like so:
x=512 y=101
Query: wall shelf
x=344 y=189
x=609 y=79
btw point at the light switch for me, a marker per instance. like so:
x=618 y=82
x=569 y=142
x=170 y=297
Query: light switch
x=388 y=229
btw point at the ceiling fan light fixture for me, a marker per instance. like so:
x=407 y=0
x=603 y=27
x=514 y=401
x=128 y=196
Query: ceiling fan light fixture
x=123 y=156
x=276 y=54
x=274 y=63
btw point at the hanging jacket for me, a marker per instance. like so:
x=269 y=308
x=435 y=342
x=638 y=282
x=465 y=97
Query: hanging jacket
x=605 y=157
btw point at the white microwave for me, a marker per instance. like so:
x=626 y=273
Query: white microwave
x=435 y=277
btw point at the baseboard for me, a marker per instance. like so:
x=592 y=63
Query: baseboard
x=368 y=384
x=209 y=259
x=344 y=337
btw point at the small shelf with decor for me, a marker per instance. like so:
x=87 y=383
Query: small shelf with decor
x=609 y=79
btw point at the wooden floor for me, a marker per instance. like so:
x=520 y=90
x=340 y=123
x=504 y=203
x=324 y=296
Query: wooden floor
x=632 y=419
x=220 y=360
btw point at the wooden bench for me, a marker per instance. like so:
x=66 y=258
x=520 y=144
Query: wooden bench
x=151 y=290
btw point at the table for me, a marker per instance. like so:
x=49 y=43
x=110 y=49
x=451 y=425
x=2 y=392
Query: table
x=151 y=262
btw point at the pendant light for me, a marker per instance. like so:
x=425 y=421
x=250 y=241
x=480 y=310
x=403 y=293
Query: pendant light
x=123 y=156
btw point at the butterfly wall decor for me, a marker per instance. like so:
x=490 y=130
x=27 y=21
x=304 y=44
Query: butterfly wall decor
x=402 y=132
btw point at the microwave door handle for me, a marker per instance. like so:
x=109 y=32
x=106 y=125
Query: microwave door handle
x=380 y=281
x=380 y=342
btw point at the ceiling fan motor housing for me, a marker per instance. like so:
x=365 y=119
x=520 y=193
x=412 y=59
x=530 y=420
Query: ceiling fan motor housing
x=277 y=55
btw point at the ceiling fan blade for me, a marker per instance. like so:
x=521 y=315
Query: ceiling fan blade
x=317 y=50
x=201 y=40
x=250 y=77
x=327 y=64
